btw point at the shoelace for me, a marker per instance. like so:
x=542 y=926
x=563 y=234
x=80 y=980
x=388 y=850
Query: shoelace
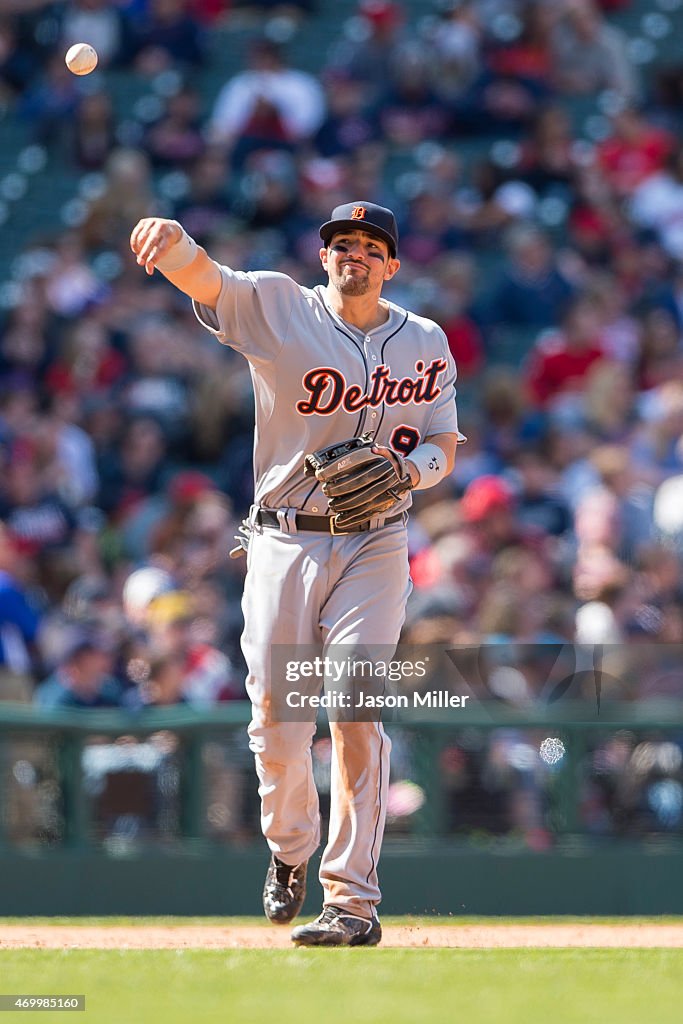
x=329 y=915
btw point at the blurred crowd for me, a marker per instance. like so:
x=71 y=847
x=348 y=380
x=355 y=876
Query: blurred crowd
x=536 y=168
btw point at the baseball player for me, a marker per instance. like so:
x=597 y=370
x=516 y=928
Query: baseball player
x=327 y=562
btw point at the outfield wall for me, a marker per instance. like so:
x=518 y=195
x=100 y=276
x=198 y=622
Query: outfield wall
x=439 y=880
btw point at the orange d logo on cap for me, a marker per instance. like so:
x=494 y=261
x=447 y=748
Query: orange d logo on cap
x=358 y=213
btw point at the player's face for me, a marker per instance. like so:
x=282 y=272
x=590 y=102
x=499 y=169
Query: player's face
x=358 y=263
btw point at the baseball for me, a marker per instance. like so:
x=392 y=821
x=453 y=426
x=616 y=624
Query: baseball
x=81 y=59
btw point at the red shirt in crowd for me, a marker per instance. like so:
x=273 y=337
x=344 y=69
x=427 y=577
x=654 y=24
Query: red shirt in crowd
x=528 y=60
x=555 y=368
x=209 y=10
x=98 y=375
x=627 y=164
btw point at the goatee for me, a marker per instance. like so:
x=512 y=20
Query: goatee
x=353 y=286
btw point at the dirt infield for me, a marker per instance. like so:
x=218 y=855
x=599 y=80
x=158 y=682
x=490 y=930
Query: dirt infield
x=485 y=936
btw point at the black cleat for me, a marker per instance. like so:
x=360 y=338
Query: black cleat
x=335 y=927
x=284 y=890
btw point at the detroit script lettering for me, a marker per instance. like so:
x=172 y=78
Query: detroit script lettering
x=328 y=390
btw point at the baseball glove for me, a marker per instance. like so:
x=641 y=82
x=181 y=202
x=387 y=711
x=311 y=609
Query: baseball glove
x=359 y=483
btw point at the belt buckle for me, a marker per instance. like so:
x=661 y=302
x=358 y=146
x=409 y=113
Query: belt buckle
x=336 y=532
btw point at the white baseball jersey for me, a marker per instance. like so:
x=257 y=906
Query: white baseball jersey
x=319 y=380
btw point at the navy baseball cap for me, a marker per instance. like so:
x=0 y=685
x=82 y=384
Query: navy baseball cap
x=376 y=220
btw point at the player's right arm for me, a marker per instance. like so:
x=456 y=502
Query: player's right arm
x=154 y=239
x=249 y=311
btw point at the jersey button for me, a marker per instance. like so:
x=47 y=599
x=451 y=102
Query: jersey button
x=368 y=340
x=373 y=415
x=314 y=508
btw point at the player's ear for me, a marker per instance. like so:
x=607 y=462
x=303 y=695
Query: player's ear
x=392 y=268
x=323 y=257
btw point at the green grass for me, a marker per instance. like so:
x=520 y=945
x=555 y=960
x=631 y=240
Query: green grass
x=396 y=986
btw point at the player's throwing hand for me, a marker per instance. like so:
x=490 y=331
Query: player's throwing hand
x=152 y=238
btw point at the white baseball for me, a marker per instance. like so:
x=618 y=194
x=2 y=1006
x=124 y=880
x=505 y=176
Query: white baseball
x=81 y=58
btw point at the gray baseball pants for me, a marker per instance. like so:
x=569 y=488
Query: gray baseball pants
x=309 y=589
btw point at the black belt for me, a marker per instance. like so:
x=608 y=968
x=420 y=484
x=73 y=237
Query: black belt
x=321 y=524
